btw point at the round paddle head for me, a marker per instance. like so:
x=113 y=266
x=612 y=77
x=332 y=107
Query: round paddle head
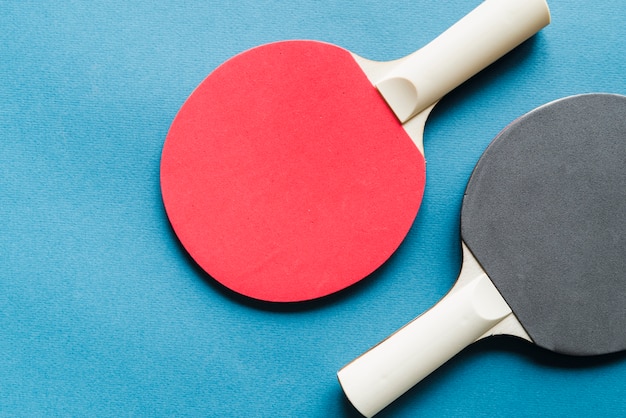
x=545 y=215
x=286 y=176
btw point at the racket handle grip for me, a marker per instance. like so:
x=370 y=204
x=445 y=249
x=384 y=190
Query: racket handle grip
x=382 y=374
x=481 y=37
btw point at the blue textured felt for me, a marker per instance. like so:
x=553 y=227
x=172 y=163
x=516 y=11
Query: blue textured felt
x=102 y=313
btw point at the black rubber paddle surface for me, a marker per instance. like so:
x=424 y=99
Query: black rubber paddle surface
x=545 y=215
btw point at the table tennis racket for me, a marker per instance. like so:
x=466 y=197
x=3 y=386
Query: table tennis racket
x=543 y=227
x=296 y=169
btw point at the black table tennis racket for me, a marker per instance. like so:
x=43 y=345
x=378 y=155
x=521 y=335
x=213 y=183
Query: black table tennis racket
x=543 y=227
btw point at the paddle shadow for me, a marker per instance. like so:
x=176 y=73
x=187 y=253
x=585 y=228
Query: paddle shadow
x=503 y=67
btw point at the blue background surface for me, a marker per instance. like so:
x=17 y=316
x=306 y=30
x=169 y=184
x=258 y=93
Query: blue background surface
x=102 y=313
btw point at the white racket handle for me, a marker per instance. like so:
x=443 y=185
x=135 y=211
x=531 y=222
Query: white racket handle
x=382 y=374
x=474 y=42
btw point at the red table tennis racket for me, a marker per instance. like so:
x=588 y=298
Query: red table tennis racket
x=543 y=227
x=295 y=169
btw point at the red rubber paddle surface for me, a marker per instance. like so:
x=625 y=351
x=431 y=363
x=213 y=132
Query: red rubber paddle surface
x=286 y=176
